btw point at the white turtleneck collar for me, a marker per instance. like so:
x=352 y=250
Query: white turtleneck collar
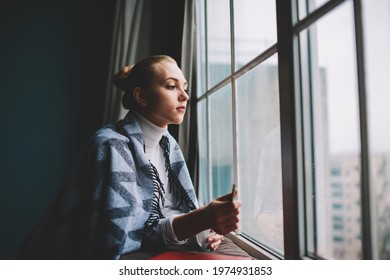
x=152 y=133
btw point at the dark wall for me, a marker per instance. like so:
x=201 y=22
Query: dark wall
x=53 y=69
x=167 y=33
x=53 y=73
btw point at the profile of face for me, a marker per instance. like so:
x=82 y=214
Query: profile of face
x=164 y=101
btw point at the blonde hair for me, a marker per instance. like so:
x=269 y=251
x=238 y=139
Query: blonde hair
x=139 y=75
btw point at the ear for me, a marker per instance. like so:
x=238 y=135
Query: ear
x=140 y=97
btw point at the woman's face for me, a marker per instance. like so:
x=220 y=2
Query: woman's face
x=166 y=97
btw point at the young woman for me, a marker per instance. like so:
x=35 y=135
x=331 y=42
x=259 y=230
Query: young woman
x=132 y=187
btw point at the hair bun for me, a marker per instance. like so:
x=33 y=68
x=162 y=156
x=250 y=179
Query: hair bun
x=120 y=78
x=126 y=69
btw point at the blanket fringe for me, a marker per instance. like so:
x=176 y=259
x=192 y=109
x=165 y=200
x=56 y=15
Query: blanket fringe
x=158 y=195
x=175 y=186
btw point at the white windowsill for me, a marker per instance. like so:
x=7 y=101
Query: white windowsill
x=253 y=249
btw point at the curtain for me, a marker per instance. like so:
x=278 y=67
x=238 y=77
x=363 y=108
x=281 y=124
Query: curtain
x=130 y=42
x=188 y=129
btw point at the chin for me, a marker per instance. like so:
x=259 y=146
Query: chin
x=177 y=121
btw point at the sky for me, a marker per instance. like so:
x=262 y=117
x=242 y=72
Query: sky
x=336 y=54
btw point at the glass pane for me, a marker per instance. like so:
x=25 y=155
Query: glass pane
x=309 y=5
x=376 y=16
x=334 y=130
x=318 y=3
x=259 y=154
x=218 y=40
x=221 y=138
x=203 y=166
x=201 y=45
x=302 y=9
x=255 y=28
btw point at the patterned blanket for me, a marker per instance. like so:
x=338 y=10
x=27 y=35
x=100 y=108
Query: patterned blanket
x=106 y=206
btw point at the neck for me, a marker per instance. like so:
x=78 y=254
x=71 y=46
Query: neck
x=152 y=133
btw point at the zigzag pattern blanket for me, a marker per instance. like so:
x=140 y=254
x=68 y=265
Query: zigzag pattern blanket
x=106 y=204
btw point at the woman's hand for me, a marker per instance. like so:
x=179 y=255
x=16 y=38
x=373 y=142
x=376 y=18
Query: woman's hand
x=222 y=214
x=214 y=240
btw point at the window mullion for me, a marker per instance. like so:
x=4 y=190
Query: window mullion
x=208 y=152
x=290 y=126
x=366 y=210
x=315 y=15
x=234 y=98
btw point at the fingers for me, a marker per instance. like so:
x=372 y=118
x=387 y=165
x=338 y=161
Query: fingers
x=228 y=206
x=224 y=228
x=227 y=210
x=226 y=197
x=231 y=228
x=214 y=237
x=215 y=245
x=215 y=241
x=222 y=216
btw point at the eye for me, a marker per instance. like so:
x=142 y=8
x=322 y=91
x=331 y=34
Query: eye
x=171 y=87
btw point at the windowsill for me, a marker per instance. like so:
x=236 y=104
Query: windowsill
x=253 y=249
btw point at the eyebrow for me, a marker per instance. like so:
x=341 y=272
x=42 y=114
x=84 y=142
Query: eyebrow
x=177 y=80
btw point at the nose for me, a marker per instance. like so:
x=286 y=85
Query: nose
x=184 y=96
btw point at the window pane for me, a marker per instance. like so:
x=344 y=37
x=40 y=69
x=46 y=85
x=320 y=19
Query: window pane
x=318 y=3
x=259 y=154
x=218 y=40
x=255 y=28
x=203 y=165
x=335 y=149
x=302 y=9
x=221 y=146
x=309 y=5
x=376 y=16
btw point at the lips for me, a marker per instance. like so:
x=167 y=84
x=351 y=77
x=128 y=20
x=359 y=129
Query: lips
x=181 y=108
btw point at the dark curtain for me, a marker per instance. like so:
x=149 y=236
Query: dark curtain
x=188 y=136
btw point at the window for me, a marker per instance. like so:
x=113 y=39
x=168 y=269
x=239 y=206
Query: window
x=328 y=55
x=297 y=118
x=238 y=110
x=218 y=40
x=377 y=59
x=336 y=97
x=259 y=155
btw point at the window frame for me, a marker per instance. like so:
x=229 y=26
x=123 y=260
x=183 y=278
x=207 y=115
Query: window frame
x=297 y=209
